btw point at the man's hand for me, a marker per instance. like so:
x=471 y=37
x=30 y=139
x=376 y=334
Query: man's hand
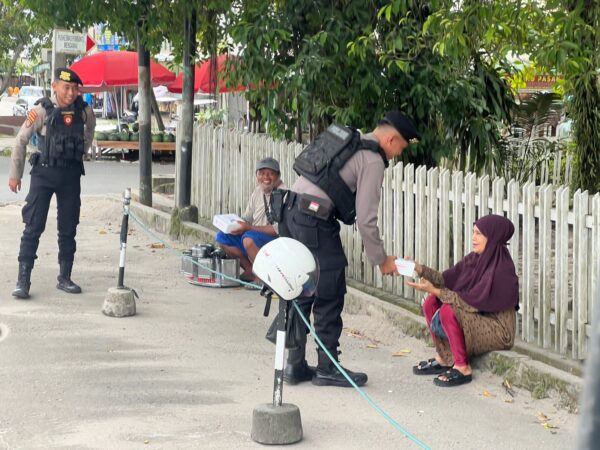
x=243 y=227
x=388 y=267
x=14 y=185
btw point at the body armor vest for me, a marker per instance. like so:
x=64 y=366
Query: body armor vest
x=64 y=143
x=321 y=161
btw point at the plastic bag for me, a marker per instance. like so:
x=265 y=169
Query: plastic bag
x=295 y=329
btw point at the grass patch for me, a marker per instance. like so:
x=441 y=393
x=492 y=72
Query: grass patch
x=540 y=384
x=178 y=230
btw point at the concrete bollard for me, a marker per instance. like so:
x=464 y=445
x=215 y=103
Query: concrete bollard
x=277 y=423
x=120 y=301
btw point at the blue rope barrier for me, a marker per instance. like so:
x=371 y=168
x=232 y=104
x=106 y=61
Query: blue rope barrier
x=362 y=393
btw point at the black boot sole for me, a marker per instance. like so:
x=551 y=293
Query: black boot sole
x=20 y=295
x=67 y=290
x=325 y=381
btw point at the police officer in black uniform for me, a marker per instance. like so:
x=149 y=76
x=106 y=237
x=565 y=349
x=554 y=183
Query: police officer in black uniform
x=341 y=177
x=64 y=126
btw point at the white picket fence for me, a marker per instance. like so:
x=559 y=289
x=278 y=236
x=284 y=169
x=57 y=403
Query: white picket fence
x=429 y=214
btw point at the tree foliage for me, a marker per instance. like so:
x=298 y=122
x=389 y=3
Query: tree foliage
x=351 y=60
x=19 y=32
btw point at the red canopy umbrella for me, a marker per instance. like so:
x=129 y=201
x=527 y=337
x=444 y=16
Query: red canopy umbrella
x=107 y=69
x=206 y=73
x=202 y=74
x=177 y=85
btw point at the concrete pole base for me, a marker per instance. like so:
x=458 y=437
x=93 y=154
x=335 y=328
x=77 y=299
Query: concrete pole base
x=276 y=424
x=119 y=302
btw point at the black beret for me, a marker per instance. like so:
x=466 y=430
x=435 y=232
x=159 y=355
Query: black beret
x=67 y=75
x=402 y=124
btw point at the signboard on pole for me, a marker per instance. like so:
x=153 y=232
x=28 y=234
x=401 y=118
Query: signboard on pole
x=69 y=43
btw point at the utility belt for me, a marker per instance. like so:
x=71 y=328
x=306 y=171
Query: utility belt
x=37 y=159
x=306 y=203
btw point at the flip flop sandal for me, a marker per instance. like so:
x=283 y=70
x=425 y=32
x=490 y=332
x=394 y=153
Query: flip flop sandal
x=454 y=378
x=429 y=367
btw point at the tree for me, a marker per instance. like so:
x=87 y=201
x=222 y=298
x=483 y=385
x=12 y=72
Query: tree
x=147 y=23
x=19 y=32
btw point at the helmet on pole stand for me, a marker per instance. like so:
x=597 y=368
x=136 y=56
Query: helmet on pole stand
x=288 y=269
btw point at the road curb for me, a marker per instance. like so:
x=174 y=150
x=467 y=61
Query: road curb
x=541 y=373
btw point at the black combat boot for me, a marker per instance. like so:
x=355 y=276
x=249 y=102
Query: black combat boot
x=297 y=369
x=64 y=279
x=23 y=281
x=329 y=375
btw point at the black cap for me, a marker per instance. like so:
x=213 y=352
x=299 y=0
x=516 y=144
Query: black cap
x=67 y=75
x=268 y=163
x=402 y=124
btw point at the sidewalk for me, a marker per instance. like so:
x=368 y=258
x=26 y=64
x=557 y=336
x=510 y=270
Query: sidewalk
x=188 y=369
x=527 y=366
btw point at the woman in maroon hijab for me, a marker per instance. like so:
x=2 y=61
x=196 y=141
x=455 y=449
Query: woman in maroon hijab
x=471 y=307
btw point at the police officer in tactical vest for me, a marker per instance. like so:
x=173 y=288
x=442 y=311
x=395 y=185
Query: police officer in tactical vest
x=341 y=177
x=64 y=126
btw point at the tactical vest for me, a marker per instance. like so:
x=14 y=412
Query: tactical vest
x=321 y=161
x=64 y=143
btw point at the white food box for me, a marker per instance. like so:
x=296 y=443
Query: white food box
x=405 y=267
x=226 y=222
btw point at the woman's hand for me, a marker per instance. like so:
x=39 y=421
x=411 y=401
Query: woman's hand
x=424 y=285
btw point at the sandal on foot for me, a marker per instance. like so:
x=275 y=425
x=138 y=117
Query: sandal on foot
x=453 y=378
x=429 y=367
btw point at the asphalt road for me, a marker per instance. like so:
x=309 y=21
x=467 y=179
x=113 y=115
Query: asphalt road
x=102 y=177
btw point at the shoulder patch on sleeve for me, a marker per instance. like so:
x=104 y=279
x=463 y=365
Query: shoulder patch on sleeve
x=31 y=118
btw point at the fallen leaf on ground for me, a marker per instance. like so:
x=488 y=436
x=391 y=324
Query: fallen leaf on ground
x=403 y=352
x=487 y=394
x=548 y=426
x=102 y=232
x=542 y=417
x=355 y=333
x=508 y=400
x=508 y=388
x=372 y=346
x=157 y=245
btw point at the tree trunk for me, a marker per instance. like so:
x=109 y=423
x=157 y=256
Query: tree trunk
x=11 y=68
x=145 y=121
x=184 y=179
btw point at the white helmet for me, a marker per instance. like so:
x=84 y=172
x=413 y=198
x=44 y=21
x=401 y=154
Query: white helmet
x=288 y=268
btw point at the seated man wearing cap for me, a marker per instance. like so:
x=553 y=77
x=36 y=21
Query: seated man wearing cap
x=64 y=126
x=256 y=229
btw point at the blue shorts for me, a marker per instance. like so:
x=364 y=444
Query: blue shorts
x=231 y=240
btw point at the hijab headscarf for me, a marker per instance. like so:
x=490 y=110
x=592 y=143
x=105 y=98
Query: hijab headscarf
x=487 y=281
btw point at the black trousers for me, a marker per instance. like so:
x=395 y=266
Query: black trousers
x=46 y=181
x=323 y=239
